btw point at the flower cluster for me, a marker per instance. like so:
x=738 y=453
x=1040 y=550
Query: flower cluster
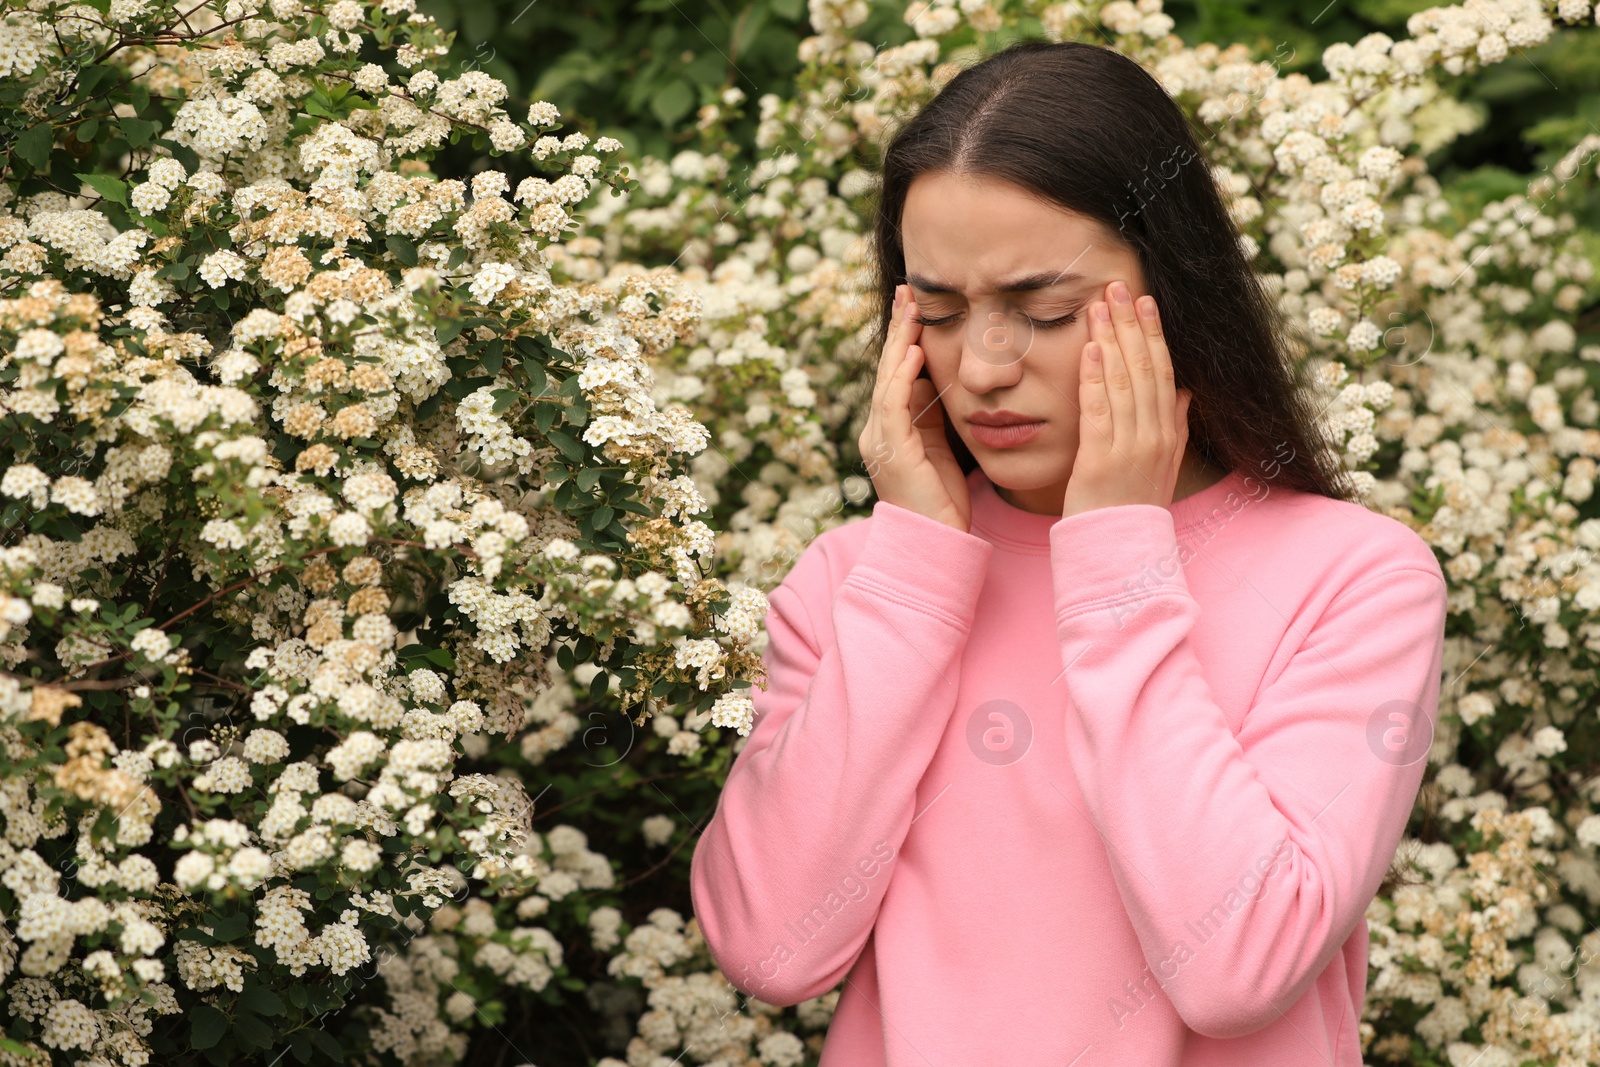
x=311 y=462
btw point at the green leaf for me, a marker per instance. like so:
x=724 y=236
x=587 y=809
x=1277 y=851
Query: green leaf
x=91 y=77
x=181 y=152
x=403 y=249
x=602 y=517
x=209 y=1026
x=35 y=144
x=324 y=1000
x=107 y=186
x=569 y=447
x=748 y=27
x=537 y=381
x=230 y=928
x=326 y=1044
x=17 y=1048
x=494 y=356
x=138 y=131
x=261 y=1000
x=253 y=1033
x=544 y=416
x=672 y=102
x=503 y=399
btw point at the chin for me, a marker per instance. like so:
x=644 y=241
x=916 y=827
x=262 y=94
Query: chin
x=1013 y=468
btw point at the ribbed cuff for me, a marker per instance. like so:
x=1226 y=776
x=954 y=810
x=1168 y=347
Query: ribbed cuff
x=911 y=557
x=1109 y=556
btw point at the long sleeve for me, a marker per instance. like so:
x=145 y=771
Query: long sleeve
x=1244 y=862
x=788 y=875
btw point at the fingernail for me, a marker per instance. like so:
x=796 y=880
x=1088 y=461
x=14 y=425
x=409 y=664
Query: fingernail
x=1147 y=307
x=1119 y=292
x=1101 y=312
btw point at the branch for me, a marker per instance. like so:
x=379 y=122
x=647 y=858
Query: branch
x=83 y=685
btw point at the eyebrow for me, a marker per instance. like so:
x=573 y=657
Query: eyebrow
x=1024 y=284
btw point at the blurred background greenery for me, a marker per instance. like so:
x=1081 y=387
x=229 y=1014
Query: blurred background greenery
x=639 y=71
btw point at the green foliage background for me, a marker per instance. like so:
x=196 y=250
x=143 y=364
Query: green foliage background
x=638 y=71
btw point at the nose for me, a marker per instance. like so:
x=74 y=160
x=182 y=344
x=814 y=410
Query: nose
x=993 y=348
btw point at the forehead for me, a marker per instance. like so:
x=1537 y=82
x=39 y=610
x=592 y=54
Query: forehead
x=973 y=234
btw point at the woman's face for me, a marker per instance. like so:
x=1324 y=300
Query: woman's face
x=1004 y=283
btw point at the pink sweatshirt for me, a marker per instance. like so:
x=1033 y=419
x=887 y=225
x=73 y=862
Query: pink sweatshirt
x=1110 y=789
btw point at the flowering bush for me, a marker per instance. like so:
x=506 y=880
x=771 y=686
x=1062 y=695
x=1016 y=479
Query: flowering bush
x=311 y=463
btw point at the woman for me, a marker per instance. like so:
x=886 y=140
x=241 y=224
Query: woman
x=1093 y=743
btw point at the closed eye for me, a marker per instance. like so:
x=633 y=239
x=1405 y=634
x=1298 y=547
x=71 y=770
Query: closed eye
x=1042 y=324
x=1046 y=324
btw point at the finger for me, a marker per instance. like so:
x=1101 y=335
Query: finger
x=1136 y=358
x=890 y=361
x=893 y=346
x=1118 y=383
x=1161 y=357
x=1094 y=406
x=896 y=412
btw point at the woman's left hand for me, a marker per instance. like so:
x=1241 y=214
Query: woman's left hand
x=1133 y=424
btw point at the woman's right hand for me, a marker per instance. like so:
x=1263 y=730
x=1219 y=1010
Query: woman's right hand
x=903 y=444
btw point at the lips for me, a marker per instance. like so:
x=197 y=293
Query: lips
x=1000 y=418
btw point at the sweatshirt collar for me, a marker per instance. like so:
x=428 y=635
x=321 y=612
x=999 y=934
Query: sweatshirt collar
x=1006 y=523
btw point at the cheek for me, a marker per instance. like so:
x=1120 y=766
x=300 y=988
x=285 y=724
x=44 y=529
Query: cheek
x=941 y=357
x=1060 y=357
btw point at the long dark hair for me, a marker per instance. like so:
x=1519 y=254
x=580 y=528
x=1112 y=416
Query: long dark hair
x=1088 y=128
